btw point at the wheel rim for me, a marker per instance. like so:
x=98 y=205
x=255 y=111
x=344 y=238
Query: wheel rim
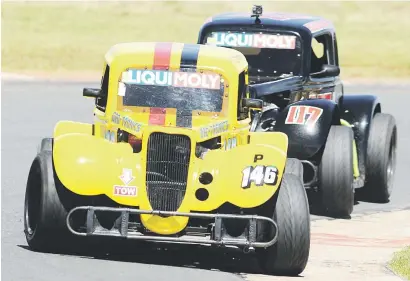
x=33 y=201
x=391 y=165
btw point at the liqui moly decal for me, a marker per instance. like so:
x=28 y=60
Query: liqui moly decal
x=252 y=40
x=174 y=79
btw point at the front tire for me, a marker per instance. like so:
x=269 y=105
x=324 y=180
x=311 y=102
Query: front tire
x=381 y=158
x=44 y=214
x=294 y=167
x=336 y=173
x=290 y=254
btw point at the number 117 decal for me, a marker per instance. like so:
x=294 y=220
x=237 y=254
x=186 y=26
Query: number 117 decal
x=259 y=175
x=303 y=115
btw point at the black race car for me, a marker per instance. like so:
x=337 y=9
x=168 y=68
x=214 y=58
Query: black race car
x=345 y=142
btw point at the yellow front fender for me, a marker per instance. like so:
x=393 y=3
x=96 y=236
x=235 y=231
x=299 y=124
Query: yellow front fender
x=91 y=166
x=232 y=172
x=68 y=127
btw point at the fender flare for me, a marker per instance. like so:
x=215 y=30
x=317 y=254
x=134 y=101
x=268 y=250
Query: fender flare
x=305 y=142
x=359 y=110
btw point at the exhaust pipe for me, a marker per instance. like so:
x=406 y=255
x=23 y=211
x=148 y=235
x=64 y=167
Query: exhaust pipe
x=309 y=173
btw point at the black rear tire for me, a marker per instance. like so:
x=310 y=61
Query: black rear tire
x=290 y=254
x=336 y=173
x=381 y=158
x=44 y=214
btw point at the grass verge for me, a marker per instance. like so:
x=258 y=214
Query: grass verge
x=67 y=37
x=400 y=263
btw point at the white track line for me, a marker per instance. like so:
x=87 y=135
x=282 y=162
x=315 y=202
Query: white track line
x=16 y=77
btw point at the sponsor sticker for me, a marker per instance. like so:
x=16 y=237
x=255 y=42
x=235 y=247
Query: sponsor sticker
x=173 y=79
x=214 y=129
x=116 y=118
x=130 y=124
x=126 y=122
x=231 y=143
x=121 y=89
x=252 y=40
x=110 y=136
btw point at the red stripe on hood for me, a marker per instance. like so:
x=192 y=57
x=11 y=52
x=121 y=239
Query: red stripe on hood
x=162 y=56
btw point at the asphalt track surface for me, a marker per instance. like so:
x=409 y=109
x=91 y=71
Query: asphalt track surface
x=29 y=112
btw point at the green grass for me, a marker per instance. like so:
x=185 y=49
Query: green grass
x=401 y=263
x=373 y=37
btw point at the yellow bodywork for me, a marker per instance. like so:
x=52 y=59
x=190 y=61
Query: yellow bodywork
x=89 y=159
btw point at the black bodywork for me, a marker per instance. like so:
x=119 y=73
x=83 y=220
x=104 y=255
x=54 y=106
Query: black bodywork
x=315 y=86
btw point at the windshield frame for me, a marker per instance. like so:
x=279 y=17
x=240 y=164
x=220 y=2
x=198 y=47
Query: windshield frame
x=270 y=31
x=146 y=109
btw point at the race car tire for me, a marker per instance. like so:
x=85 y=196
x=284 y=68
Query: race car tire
x=381 y=158
x=290 y=254
x=335 y=173
x=46 y=144
x=294 y=167
x=44 y=214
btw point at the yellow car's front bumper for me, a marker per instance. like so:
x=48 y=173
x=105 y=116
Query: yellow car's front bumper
x=131 y=230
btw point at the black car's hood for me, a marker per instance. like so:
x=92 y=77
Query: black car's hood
x=289 y=84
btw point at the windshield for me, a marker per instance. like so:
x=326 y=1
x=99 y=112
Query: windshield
x=270 y=56
x=185 y=91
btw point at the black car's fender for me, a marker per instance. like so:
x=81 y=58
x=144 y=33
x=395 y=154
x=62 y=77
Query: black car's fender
x=359 y=110
x=307 y=124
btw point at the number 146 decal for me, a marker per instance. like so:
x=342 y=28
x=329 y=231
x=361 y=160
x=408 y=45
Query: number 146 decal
x=303 y=115
x=259 y=175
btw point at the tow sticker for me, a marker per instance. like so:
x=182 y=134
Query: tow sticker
x=124 y=190
x=120 y=190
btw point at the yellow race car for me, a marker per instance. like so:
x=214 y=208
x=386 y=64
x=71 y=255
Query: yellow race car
x=171 y=157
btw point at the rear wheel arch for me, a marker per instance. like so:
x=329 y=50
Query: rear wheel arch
x=313 y=140
x=377 y=109
x=359 y=111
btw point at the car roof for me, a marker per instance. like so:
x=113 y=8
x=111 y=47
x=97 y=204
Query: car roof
x=174 y=55
x=307 y=24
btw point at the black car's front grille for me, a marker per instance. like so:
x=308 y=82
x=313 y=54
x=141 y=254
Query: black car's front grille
x=167 y=170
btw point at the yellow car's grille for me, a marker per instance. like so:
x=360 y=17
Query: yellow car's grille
x=168 y=159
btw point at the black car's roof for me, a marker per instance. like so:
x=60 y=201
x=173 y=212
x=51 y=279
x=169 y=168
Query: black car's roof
x=309 y=25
